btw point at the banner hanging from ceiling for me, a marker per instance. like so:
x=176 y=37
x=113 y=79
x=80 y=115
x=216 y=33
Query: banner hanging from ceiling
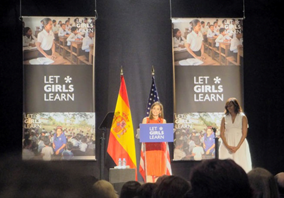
x=207 y=65
x=59 y=109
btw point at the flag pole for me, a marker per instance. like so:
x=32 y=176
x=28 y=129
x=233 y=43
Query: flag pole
x=153 y=70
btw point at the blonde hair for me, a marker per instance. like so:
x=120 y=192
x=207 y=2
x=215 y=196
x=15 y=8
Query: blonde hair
x=161 y=115
x=104 y=189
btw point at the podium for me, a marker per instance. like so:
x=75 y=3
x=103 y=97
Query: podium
x=156 y=132
x=154 y=138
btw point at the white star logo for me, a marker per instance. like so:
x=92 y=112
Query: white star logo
x=68 y=79
x=217 y=80
x=161 y=128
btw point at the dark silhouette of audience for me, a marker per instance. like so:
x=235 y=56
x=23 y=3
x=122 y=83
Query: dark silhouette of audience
x=263 y=183
x=21 y=178
x=146 y=190
x=210 y=178
x=172 y=186
x=219 y=179
x=129 y=189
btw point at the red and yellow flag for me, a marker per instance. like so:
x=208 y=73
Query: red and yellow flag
x=121 y=142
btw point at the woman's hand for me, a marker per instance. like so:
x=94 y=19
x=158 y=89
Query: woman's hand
x=231 y=149
x=57 y=152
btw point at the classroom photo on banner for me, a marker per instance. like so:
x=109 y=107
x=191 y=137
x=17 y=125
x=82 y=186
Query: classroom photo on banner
x=58 y=136
x=207 y=41
x=58 y=40
x=195 y=135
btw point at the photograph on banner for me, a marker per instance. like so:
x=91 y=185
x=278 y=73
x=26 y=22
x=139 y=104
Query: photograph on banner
x=58 y=136
x=50 y=40
x=195 y=135
x=207 y=41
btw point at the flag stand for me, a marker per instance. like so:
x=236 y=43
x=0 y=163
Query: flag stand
x=106 y=124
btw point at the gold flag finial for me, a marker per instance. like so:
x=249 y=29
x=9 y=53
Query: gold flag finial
x=121 y=71
x=153 y=71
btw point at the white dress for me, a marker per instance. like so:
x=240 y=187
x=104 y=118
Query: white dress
x=233 y=134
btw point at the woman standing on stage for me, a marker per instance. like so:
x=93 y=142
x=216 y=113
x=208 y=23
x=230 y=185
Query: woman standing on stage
x=155 y=152
x=234 y=126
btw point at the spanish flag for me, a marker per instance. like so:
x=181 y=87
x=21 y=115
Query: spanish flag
x=121 y=142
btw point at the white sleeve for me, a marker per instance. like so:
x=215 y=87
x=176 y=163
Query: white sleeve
x=189 y=39
x=39 y=37
x=85 y=44
x=61 y=33
x=25 y=43
x=71 y=37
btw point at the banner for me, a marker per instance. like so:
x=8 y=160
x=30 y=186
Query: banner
x=207 y=61
x=59 y=110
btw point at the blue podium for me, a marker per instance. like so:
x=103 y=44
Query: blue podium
x=157 y=132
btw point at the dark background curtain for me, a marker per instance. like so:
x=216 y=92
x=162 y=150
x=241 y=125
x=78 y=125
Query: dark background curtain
x=136 y=34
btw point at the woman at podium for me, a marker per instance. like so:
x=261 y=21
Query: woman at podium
x=155 y=154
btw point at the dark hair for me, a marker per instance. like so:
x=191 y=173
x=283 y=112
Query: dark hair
x=45 y=21
x=146 y=190
x=211 y=26
x=175 y=31
x=236 y=104
x=53 y=21
x=263 y=183
x=129 y=189
x=69 y=146
x=27 y=142
x=221 y=30
x=160 y=179
x=219 y=179
x=194 y=23
x=73 y=29
x=172 y=186
x=62 y=24
x=46 y=141
x=26 y=29
x=202 y=22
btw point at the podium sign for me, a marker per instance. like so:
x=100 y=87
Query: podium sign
x=157 y=132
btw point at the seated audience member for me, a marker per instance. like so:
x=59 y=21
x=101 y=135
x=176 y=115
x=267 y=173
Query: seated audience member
x=146 y=190
x=263 y=183
x=104 y=189
x=219 y=179
x=160 y=179
x=129 y=189
x=40 y=179
x=172 y=186
x=280 y=182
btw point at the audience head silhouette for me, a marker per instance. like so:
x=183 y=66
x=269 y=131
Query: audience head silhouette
x=263 y=183
x=219 y=179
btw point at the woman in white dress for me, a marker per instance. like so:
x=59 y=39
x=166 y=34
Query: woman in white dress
x=234 y=126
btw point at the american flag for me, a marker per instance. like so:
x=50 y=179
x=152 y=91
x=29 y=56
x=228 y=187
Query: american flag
x=153 y=97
